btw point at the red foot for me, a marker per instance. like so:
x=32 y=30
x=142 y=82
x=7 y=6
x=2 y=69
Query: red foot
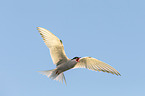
x=57 y=72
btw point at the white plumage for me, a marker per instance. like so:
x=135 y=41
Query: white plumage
x=96 y=65
x=63 y=63
x=54 y=44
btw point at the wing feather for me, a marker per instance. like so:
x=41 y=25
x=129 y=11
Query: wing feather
x=55 y=46
x=96 y=65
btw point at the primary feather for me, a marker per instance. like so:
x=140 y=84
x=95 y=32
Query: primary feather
x=55 y=46
x=96 y=65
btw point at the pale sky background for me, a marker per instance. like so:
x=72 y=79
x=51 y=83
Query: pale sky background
x=112 y=31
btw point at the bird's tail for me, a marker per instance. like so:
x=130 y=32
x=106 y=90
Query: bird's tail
x=52 y=74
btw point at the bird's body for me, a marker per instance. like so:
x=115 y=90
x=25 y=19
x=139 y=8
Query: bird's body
x=66 y=65
x=63 y=63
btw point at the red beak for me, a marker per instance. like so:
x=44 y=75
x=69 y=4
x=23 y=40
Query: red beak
x=77 y=59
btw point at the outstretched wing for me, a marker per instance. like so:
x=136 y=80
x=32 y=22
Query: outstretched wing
x=96 y=65
x=55 y=46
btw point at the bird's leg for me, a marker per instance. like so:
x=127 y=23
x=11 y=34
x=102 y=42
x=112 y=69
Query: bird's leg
x=57 y=72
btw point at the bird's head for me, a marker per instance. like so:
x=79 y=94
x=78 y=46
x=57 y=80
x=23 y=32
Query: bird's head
x=76 y=58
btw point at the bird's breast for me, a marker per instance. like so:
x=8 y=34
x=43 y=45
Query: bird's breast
x=66 y=66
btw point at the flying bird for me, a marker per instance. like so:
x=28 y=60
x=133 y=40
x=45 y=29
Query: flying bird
x=63 y=63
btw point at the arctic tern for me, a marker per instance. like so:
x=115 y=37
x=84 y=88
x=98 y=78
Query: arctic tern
x=63 y=63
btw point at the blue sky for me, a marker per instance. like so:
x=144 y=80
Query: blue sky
x=112 y=31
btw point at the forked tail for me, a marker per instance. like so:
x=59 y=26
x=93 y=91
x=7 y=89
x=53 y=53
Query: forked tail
x=52 y=74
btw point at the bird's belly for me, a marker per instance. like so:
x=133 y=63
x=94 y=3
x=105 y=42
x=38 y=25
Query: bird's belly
x=65 y=67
